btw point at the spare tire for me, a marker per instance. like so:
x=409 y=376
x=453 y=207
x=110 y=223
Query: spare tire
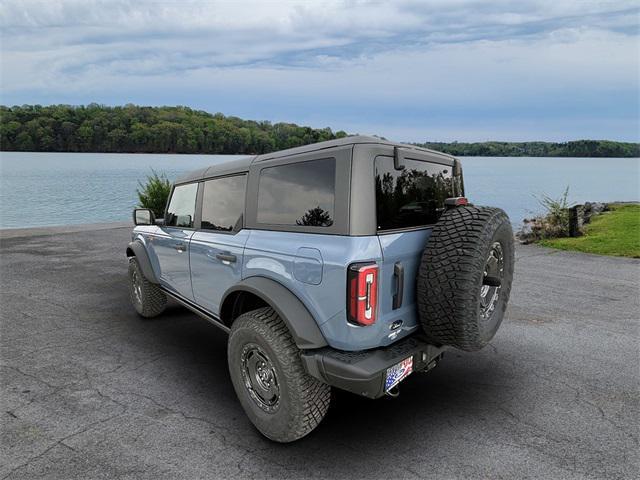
x=465 y=275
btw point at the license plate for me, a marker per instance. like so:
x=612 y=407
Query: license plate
x=397 y=373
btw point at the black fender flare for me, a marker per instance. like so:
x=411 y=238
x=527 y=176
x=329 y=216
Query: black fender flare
x=139 y=251
x=294 y=314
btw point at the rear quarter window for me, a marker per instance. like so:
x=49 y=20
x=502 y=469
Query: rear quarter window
x=298 y=194
x=412 y=197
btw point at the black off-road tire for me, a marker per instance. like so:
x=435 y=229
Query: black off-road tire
x=149 y=301
x=302 y=401
x=452 y=274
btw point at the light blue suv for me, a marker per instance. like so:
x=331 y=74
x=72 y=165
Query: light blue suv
x=348 y=264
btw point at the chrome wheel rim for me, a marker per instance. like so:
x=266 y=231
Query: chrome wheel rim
x=136 y=287
x=259 y=377
x=493 y=267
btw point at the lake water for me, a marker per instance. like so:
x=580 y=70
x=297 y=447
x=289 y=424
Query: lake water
x=39 y=189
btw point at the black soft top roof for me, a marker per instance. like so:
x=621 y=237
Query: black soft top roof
x=236 y=163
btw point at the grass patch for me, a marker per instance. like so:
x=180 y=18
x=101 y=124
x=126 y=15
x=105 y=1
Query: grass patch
x=616 y=232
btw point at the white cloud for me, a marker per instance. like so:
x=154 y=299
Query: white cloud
x=328 y=61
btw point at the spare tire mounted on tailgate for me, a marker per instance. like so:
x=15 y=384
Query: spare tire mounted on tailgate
x=464 y=279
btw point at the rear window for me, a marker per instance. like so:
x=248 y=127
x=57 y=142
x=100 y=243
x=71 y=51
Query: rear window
x=411 y=197
x=300 y=194
x=223 y=203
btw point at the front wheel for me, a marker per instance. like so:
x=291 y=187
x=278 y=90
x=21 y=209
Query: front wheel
x=280 y=398
x=146 y=297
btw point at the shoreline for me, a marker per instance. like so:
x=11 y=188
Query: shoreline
x=43 y=230
x=254 y=154
x=7 y=233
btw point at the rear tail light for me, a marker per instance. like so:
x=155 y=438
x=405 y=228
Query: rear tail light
x=456 y=202
x=362 y=293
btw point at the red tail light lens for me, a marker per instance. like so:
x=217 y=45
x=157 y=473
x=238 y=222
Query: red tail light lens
x=362 y=293
x=456 y=202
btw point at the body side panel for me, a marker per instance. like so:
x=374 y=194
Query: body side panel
x=173 y=264
x=212 y=275
x=273 y=255
x=405 y=250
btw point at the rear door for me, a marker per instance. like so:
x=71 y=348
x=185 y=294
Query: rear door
x=217 y=248
x=408 y=203
x=170 y=243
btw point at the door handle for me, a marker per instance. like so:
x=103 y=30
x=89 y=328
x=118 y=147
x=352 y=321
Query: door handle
x=398 y=273
x=226 y=258
x=180 y=247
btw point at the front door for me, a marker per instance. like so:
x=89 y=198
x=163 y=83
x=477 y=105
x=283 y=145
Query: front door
x=217 y=249
x=171 y=241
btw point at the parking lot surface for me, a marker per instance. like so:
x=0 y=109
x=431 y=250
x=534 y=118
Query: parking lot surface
x=90 y=390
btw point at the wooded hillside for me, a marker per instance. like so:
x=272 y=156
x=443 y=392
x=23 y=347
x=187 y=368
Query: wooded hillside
x=135 y=129
x=97 y=128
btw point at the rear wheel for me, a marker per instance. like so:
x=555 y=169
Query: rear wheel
x=465 y=277
x=146 y=297
x=280 y=398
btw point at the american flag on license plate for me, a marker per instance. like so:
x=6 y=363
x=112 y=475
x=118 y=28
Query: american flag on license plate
x=397 y=373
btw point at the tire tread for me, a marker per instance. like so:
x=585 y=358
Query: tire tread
x=154 y=300
x=310 y=397
x=450 y=273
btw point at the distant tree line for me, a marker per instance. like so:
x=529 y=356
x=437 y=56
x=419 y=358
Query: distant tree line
x=135 y=129
x=578 y=148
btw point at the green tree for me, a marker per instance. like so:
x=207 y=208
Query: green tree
x=316 y=217
x=154 y=193
x=132 y=128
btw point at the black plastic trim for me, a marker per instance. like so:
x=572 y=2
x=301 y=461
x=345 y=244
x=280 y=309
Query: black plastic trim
x=364 y=372
x=301 y=324
x=398 y=273
x=197 y=309
x=140 y=252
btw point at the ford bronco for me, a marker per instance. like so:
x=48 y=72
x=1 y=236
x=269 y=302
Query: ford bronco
x=347 y=264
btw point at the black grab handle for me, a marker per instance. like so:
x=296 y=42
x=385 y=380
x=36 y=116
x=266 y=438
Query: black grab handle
x=398 y=272
x=226 y=257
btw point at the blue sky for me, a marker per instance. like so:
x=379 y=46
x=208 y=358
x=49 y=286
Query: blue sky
x=408 y=70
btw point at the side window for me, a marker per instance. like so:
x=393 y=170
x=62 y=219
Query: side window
x=411 y=197
x=298 y=194
x=182 y=206
x=223 y=202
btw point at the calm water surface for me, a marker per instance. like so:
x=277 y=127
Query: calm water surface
x=38 y=189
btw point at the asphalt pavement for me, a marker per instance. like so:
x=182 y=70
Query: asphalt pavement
x=90 y=390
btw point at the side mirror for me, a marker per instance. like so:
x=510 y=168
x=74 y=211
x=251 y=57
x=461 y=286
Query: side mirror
x=143 y=216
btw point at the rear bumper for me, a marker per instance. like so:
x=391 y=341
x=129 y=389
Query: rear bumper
x=364 y=373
